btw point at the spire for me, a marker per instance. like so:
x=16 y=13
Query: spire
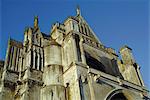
x=36 y=22
x=78 y=11
x=9 y=40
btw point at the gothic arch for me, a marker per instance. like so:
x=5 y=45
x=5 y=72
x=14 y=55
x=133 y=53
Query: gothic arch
x=119 y=93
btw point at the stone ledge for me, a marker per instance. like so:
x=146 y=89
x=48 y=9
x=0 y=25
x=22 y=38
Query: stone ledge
x=114 y=80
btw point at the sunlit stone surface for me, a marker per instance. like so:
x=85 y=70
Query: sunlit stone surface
x=69 y=64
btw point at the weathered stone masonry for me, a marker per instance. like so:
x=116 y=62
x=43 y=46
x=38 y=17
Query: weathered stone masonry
x=69 y=64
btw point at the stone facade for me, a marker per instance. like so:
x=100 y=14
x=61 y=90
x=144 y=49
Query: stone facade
x=69 y=64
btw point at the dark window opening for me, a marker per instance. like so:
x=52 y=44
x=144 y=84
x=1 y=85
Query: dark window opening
x=94 y=63
x=22 y=64
x=86 y=32
x=36 y=60
x=11 y=56
x=119 y=96
x=40 y=65
x=52 y=94
x=18 y=59
x=31 y=58
x=40 y=42
x=77 y=40
x=67 y=91
x=81 y=89
x=80 y=29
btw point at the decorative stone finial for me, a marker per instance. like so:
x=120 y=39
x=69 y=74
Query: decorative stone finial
x=78 y=10
x=36 y=22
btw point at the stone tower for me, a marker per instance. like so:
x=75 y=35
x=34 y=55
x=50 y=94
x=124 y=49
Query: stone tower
x=69 y=64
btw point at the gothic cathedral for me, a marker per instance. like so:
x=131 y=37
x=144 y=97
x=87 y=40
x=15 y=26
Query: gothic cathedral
x=69 y=64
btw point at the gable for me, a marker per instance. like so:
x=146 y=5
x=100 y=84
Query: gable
x=85 y=29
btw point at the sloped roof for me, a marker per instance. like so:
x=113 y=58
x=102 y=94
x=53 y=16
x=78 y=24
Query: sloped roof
x=92 y=34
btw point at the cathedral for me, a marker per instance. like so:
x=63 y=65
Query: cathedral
x=70 y=63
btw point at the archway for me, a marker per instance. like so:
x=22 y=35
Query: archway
x=119 y=96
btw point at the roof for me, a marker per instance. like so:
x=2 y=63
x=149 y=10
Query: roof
x=45 y=35
x=16 y=43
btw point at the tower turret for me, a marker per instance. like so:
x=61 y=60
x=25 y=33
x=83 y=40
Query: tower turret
x=131 y=69
x=53 y=73
x=126 y=54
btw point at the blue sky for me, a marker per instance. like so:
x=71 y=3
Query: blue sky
x=115 y=22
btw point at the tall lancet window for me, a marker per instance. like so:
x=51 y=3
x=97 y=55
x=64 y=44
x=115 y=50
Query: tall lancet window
x=36 y=60
x=77 y=40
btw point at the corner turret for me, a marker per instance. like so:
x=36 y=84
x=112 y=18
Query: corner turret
x=129 y=68
x=126 y=54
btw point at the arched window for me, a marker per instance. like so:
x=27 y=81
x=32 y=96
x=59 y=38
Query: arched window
x=82 y=29
x=32 y=59
x=77 y=40
x=36 y=60
x=40 y=61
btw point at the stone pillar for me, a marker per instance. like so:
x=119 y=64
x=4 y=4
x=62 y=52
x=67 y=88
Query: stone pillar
x=82 y=51
x=7 y=59
x=84 y=29
x=88 y=31
x=11 y=57
x=20 y=60
x=90 y=82
x=53 y=73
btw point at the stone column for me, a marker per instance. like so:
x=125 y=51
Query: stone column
x=11 y=57
x=82 y=51
x=83 y=29
x=90 y=82
x=7 y=56
x=20 y=60
x=88 y=30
